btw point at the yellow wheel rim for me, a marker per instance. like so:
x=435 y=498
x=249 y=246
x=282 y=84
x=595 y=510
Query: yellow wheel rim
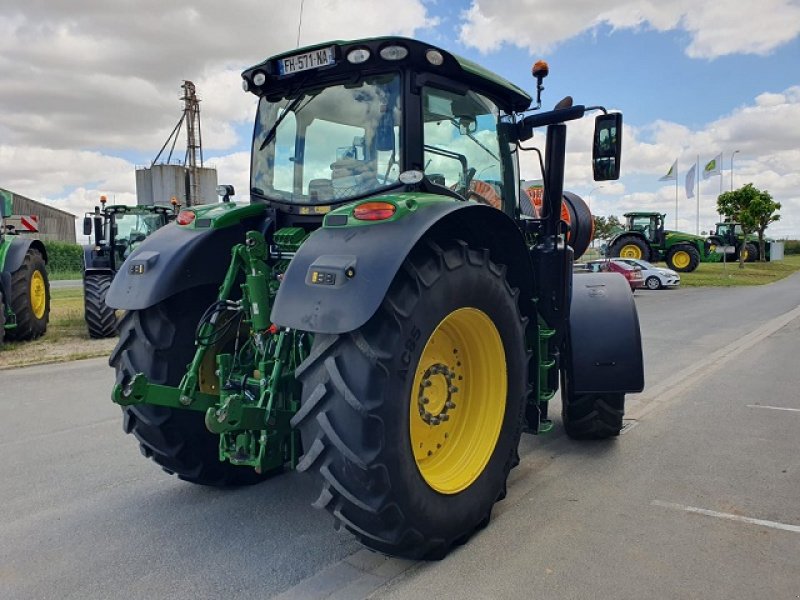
x=631 y=251
x=745 y=254
x=681 y=259
x=458 y=400
x=38 y=295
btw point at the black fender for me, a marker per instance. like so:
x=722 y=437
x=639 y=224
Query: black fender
x=338 y=303
x=94 y=262
x=174 y=259
x=636 y=234
x=604 y=344
x=17 y=251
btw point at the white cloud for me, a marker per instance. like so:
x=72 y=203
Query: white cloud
x=714 y=28
x=106 y=74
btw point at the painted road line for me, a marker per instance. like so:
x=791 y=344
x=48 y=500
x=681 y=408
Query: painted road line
x=728 y=516
x=797 y=410
x=671 y=389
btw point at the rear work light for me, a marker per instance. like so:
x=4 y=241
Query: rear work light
x=374 y=211
x=185 y=217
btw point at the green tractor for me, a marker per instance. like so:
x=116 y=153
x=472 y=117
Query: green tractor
x=384 y=313
x=645 y=238
x=24 y=285
x=730 y=234
x=118 y=230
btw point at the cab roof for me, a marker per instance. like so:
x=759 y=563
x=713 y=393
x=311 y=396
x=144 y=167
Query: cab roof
x=509 y=96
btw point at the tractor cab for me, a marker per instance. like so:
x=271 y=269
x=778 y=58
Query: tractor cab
x=345 y=121
x=650 y=225
x=729 y=232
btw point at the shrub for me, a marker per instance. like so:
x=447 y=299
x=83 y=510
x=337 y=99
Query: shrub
x=791 y=247
x=63 y=257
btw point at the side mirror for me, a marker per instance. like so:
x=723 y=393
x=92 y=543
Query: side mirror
x=225 y=192
x=607 y=147
x=87 y=225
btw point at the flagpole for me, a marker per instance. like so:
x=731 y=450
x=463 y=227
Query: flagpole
x=721 y=162
x=697 y=226
x=676 y=194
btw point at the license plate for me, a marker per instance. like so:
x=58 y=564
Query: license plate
x=308 y=60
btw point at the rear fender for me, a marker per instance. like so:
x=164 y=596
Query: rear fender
x=604 y=343
x=18 y=249
x=174 y=259
x=337 y=303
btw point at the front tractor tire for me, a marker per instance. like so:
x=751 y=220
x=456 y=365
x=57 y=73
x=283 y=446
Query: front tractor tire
x=411 y=422
x=630 y=246
x=683 y=258
x=159 y=342
x=29 y=297
x=101 y=320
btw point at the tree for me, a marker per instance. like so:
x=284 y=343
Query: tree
x=606 y=227
x=753 y=209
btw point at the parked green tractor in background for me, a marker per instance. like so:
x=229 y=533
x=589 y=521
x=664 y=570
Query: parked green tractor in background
x=118 y=230
x=731 y=234
x=389 y=319
x=24 y=285
x=645 y=238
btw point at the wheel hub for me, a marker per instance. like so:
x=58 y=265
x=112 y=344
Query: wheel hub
x=457 y=400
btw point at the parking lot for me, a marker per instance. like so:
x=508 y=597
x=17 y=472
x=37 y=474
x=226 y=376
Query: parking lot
x=697 y=499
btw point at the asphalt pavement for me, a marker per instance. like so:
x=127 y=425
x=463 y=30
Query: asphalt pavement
x=697 y=499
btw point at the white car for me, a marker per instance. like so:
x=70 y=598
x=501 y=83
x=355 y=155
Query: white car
x=655 y=277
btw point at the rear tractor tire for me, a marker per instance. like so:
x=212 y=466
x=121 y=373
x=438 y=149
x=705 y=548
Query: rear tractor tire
x=101 y=320
x=29 y=297
x=411 y=422
x=750 y=252
x=629 y=246
x=683 y=258
x=159 y=342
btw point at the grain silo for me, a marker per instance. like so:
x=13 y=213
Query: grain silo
x=187 y=180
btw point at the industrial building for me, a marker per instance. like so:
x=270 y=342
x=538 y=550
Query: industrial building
x=54 y=223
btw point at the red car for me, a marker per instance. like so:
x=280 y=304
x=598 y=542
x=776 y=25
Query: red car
x=629 y=272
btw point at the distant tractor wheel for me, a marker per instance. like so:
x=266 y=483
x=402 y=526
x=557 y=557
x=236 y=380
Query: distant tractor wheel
x=101 y=320
x=29 y=297
x=683 y=258
x=653 y=282
x=629 y=246
x=750 y=252
x=159 y=342
x=412 y=421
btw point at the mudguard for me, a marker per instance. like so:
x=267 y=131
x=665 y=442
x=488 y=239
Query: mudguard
x=339 y=276
x=174 y=259
x=604 y=341
x=92 y=263
x=17 y=250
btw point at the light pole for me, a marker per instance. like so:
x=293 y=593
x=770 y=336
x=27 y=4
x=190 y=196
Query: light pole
x=589 y=196
x=732 y=155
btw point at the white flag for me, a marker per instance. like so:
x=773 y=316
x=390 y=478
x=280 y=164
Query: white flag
x=672 y=174
x=713 y=167
x=690 y=182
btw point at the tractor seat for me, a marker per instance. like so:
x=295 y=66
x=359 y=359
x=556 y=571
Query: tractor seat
x=348 y=174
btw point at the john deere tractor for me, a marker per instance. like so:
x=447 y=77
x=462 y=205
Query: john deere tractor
x=118 y=229
x=387 y=319
x=729 y=233
x=24 y=286
x=645 y=238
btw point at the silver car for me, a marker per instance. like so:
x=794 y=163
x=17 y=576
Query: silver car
x=655 y=277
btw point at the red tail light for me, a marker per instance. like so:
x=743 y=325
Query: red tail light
x=374 y=211
x=185 y=217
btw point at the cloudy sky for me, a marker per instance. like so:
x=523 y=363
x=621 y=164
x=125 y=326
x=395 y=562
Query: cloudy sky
x=90 y=88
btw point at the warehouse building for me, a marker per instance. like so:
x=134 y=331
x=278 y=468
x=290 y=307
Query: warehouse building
x=53 y=223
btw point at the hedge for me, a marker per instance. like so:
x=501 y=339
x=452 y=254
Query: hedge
x=791 y=247
x=63 y=257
